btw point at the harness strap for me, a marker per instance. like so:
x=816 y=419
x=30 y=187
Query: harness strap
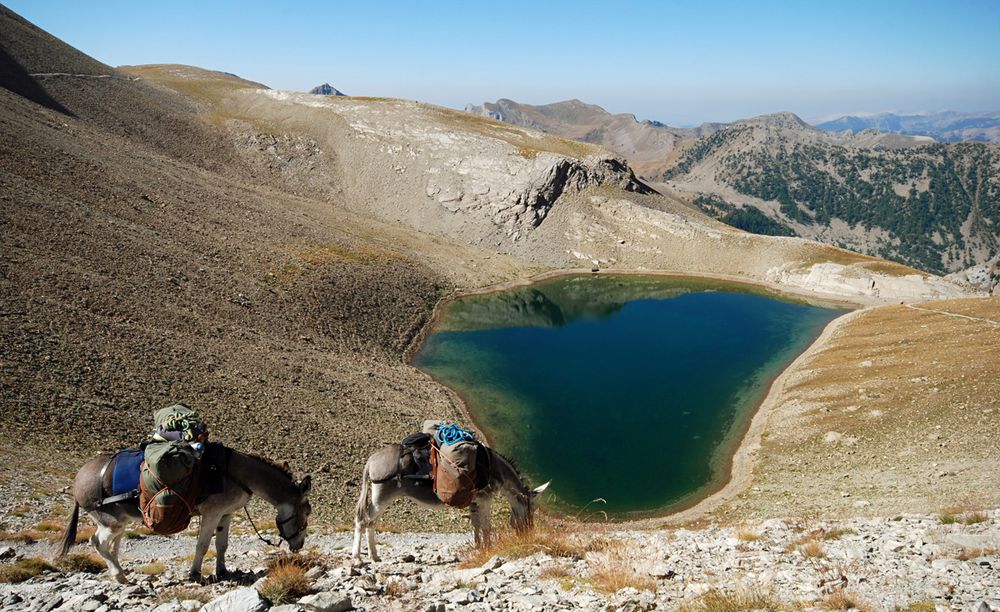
x=262 y=538
x=101 y=501
x=114 y=499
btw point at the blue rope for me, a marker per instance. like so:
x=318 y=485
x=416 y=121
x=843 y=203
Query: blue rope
x=452 y=434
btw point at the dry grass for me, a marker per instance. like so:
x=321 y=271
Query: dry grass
x=614 y=573
x=138 y=533
x=152 y=569
x=286 y=581
x=306 y=560
x=922 y=606
x=48 y=527
x=511 y=544
x=88 y=563
x=734 y=601
x=812 y=549
x=843 y=600
x=25 y=569
x=967 y=554
x=395 y=588
x=809 y=545
x=184 y=594
x=557 y=571
x=49 y=532
x=835 y=533
x=953 y=514
x=324 y=253
x=747 y=535
x=209 y=554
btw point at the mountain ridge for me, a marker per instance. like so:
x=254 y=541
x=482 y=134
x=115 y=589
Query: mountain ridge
x=946 y=126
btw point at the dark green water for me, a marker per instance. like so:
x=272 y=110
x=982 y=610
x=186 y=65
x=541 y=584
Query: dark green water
x=634 y=390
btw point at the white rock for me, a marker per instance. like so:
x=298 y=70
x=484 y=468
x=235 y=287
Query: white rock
x=245 y=599
x=326 y=602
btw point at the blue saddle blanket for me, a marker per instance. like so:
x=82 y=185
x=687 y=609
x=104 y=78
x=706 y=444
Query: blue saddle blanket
x=125 y=472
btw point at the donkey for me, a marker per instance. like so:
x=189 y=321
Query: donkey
x=388 y=476
x=244 y=475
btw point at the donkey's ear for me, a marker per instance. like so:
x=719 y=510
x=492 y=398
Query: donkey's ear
x=540 y=489
x=285 y=465
x=306 y=484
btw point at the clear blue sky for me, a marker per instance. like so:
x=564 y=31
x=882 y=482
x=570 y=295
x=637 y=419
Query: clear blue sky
x=678 y=63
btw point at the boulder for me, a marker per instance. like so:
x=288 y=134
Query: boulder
x=326 y=602
x=245 y=599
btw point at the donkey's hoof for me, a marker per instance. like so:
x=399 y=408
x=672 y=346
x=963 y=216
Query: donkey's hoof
x=121 y=578
x=195 y=578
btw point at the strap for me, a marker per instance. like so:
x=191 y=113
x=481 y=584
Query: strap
x=114 y=499
x=262 y=538
x=100 y=481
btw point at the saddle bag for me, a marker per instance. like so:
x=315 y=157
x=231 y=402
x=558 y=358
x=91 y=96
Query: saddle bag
x=453 y=464
x=168 y=486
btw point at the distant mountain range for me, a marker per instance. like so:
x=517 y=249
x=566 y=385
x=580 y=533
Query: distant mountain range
x=880 y=185
x=326 y=90
x=946 y=127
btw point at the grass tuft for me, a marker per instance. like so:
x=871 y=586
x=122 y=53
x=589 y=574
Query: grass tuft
x=87 y=563
x=734 y=601
x=153 y=569
x=511 y=544
x=614 y=573
x=184 y=594
x=747 y=535
x=25 y=569
x=967 y=554
x=305 y=560
x=286 y=581
x=395 y=588
x=843 y=600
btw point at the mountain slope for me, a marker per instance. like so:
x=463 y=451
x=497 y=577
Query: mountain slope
x=145 y=262
x=932 y=206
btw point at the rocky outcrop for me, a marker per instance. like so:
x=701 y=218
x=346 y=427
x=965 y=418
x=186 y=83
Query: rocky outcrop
x=518 y=194
x=854 y=280
x=326 y=90
x=983 y=277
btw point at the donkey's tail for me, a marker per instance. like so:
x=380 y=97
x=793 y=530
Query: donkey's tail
x=69 y=538
x=366 y=487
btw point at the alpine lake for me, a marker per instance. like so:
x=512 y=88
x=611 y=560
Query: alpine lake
x=630 y=393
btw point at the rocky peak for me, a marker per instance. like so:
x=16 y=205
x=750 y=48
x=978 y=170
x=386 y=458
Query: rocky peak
x=785 y=120
x=326 y=90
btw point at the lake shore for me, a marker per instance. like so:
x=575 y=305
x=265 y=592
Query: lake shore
x=740 y=451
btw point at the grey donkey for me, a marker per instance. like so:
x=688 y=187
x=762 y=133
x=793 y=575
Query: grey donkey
x=244 y=476
x=387 y=476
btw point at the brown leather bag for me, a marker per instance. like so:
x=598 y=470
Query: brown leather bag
x=454 y=469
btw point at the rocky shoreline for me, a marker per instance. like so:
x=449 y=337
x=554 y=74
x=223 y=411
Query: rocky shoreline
x=909 y=562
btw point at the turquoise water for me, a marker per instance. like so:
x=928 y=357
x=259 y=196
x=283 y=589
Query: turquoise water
x=633 y=391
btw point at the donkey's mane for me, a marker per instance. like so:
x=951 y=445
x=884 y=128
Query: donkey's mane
x=513 y=465
x=271 y=462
